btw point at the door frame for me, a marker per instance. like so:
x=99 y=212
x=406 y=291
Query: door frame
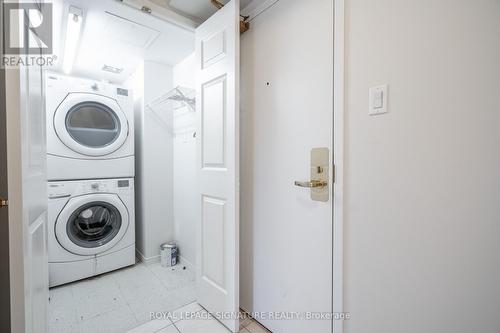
x=5 y=325
x=338 y=186
x=338 y=149
x=15 y=195
x=338 y=160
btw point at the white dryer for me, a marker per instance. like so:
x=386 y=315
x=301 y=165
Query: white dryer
x=90 y=129
x=91 y=228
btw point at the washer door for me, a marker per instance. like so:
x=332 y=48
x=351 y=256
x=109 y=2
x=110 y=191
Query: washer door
x=92 y=223
x=91 y=124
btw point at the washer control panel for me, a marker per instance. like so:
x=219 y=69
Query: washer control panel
x=65 y=189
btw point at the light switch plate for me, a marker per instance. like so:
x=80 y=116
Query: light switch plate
x=377 y=100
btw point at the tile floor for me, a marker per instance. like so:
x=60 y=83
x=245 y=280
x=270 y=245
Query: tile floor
x=120 y=300
x=192 y=318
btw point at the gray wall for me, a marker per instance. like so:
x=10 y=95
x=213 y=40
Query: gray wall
x=422 y=227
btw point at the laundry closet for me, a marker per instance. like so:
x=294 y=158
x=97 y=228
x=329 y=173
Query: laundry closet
x=122 y=165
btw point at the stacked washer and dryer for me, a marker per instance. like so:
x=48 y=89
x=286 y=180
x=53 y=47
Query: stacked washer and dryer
x=90 y=167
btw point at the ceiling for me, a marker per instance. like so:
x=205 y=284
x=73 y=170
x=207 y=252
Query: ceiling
x=119 y=36
x=123 y=37
x=198 y=9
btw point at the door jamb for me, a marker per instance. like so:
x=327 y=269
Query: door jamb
x=338 y=160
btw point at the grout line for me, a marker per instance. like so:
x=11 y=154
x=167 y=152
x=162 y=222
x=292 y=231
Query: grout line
x=125 y=299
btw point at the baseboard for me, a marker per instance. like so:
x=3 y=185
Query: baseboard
x=141 y=258
x=183 y=261
x=151 y=260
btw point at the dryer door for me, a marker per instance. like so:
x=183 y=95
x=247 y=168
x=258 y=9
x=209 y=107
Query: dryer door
x=91 y=124
x=92 y=223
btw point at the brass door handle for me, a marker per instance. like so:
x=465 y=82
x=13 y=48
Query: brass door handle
x=4 y=202
x=312 y=184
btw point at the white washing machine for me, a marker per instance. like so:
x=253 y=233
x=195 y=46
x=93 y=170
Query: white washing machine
x=90 y=129
x=91 y=228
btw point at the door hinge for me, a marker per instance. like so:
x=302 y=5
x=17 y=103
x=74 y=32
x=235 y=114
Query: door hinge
x=333 y=173
x=4 y=202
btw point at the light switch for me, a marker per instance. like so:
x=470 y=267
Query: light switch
x=378 y=100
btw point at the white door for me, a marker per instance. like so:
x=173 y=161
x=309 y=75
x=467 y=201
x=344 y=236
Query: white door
x=287 y=110
x=217 y=83
x=27 y=194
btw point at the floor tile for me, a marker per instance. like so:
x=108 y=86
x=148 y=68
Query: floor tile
x=174 y=277
x=255 y=327
x=95 y=299
x=185 y=311
x=147 y=309
x=62 y=327
x=62 y=309
x=245 y=319
x=170 y=329
x=152 y=326
x=117 y=321
x=200 y=325
x=137 y=290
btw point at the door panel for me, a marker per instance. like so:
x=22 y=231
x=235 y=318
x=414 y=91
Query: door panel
x=214 y=112
x=38 y=279
x=34 y=197
x=217 y=74
x=287 y=111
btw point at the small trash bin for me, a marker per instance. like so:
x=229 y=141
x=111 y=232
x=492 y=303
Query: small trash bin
x=168 y=254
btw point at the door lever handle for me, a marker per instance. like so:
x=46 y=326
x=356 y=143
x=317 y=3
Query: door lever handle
x=311 y=184
x=4 y=202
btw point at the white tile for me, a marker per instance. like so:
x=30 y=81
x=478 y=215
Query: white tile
x=148 y=288
x=61 y=327
x=144 y=308
x=94 y=284
x=117 y=321
x=200 y=325
x=132 y=272
x=170 y=329
x=162 y=302
x=255 y=327
x=151 y=326
x=185 y=311
x=140 y=288
x=94 y=298
x=245 y=319
x=62 y=309
x=175 y=277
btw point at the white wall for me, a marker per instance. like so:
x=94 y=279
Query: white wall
x=154 y=166
x=422 y=231
x=422 y=211
x=185 y=198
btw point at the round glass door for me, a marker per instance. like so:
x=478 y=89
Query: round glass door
x=91 y=224
x=92 y=124
x=94 y=224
